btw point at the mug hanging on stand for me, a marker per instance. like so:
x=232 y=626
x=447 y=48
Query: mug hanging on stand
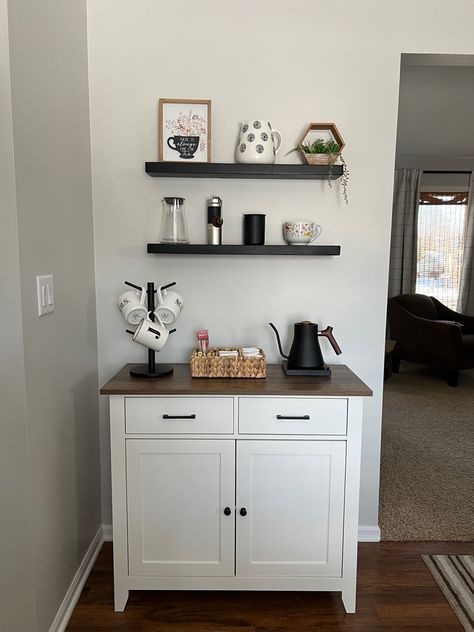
x=170 y=306
x=150 y=334
x=258 y=142
x=132 y=306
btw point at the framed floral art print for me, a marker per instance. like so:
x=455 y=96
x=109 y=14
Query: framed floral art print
x=185 y=130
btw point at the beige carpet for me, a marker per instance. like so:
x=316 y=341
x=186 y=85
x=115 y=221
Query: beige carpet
x=427 y=467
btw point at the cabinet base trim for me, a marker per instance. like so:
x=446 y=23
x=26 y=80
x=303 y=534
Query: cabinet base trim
x=234 y=583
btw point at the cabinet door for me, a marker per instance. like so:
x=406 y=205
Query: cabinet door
x=177 y=491
x=292 y=494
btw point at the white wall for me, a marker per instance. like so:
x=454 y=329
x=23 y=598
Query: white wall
x=291 y=63
x=58 y=444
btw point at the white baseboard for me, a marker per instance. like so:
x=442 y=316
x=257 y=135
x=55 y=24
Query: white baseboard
x=369 y=534
x=108 y=532
x=74 y=592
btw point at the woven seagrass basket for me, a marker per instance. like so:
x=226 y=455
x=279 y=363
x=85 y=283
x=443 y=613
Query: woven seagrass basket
x=211 y=365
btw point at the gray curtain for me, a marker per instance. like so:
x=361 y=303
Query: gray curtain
x=406 y=195
x=466 y=290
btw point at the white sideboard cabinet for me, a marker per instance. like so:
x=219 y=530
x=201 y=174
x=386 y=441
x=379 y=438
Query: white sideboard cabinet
x=236 y=484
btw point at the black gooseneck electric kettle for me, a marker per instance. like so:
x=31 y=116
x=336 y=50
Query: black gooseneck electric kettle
x=305 y=357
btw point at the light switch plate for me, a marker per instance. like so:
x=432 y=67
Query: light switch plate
x=45 y=292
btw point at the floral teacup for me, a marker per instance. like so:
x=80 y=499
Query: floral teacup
x=300 y=232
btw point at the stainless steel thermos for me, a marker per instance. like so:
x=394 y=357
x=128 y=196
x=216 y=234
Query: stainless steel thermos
x=214 y=220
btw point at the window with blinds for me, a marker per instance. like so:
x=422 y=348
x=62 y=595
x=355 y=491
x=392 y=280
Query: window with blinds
x=441 y=227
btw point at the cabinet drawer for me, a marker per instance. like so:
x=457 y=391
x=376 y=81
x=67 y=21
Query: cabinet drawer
x=179 y=415
x=305 y=416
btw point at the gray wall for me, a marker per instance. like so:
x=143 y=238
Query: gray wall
x=55 y=443
x=435 y=112
x=435 y=130
x=17 y=603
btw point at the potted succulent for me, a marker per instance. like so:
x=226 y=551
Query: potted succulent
x=322 y=144
x=320 y=151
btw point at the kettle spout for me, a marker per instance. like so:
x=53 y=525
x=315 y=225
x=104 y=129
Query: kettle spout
x=278 y=340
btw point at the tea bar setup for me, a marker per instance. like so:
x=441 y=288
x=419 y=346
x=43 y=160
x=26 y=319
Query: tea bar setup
x=249 y=481
x=229 y=473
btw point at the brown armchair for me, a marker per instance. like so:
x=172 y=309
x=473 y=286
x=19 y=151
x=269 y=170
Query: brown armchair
x=428 y=332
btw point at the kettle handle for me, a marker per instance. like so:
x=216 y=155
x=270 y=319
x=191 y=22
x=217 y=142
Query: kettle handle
x=327 y=333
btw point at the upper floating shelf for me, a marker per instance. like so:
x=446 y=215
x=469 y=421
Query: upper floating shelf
x=237 y=170
x=237 y=249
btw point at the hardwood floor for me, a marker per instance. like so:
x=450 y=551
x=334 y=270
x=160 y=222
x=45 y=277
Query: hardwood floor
x=396 y=593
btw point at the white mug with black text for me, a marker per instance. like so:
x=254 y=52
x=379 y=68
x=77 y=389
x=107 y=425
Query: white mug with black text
x=132 y=305
x=150 y=334
x=170 y=306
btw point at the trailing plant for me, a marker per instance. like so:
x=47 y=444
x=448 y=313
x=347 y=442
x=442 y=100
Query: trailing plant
x=344 y=179
x=332 y=148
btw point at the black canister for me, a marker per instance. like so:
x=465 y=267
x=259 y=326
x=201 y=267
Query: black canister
x=254 y=229
x=214 y=220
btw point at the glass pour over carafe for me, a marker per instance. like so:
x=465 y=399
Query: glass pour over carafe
x=174 y=224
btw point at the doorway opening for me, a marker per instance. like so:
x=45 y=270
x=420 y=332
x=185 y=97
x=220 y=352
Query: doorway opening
x=427 y=436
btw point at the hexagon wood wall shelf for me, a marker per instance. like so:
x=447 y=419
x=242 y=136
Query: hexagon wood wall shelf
x=331 y=131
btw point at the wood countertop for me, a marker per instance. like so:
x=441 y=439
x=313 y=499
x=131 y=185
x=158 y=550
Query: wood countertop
x=342 y=383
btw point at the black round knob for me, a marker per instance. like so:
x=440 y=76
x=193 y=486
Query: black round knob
x=243 y=511
x=227 y=511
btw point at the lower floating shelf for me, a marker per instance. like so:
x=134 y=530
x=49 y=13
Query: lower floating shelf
x=206 y=249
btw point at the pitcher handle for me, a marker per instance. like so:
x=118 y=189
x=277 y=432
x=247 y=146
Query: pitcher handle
x=318 y=231
x=275 y=132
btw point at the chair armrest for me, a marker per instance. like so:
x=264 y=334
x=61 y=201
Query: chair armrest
x=424 y=340
x=448 y=314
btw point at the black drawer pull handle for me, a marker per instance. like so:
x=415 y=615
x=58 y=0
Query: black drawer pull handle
x=227 y=511
x=179 y=416
x=243 y=511
x=289 y=417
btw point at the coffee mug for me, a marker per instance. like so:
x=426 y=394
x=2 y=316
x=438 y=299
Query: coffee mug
x=152 y=335
x=170 y=306
x=132 y=306
x=300 y=232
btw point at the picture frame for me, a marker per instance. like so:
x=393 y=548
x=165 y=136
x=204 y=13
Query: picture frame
x=184 y=130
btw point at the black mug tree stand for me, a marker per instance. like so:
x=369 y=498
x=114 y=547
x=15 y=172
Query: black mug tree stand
x=151 y=369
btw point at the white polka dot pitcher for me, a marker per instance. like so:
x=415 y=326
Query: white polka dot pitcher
x=258 y=143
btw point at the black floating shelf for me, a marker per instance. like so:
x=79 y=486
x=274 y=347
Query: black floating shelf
x=206 y=249
x=237 y=170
